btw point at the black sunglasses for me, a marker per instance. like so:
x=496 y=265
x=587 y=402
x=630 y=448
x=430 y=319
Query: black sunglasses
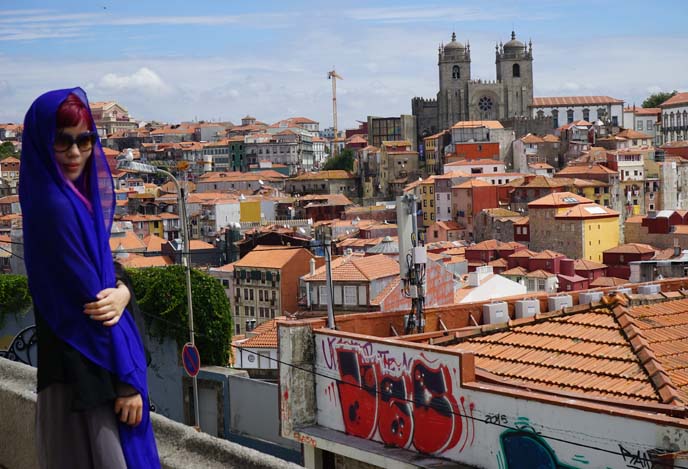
x=84 y=141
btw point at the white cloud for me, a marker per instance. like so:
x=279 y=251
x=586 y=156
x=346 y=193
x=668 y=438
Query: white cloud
x=143 y=81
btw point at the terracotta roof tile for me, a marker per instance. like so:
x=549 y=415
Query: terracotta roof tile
x=269 y=257
x=358 y=269
x=574 y=101
x=679 y=98
x=584 y=352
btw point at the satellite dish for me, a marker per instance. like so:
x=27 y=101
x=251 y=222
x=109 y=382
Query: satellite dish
x=260 y=181
x=242 y=197
x=129 y=155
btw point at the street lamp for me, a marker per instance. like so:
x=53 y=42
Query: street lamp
x=134 y=166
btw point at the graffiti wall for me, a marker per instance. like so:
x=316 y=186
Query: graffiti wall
x=401 y=397
x=412 y=398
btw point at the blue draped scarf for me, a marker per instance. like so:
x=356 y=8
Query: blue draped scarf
x=68 y=260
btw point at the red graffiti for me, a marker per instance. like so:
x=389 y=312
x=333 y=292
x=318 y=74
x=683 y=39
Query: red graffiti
x=358 y=394
x=415 y=409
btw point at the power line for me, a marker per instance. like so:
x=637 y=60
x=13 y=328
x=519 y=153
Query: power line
x=15 y=255
x=376 y=391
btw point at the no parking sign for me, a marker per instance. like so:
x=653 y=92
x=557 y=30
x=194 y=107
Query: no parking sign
x=191 y=359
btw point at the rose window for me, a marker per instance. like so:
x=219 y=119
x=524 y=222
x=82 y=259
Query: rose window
x=485 y=103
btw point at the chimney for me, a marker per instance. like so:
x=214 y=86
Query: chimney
x=312 y=261
x=477 y=277
x=568 y=267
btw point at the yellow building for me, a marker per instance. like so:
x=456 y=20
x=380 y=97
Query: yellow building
x=427 y=201
x=249 y=211
x=573 y=225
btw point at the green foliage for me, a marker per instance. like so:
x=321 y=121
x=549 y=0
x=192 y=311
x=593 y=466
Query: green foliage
x=161 y=293
x=14 y=296
x=344 y=160
x=7 y=149
x=655 y=99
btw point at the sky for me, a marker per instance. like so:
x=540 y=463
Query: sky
x=218 y=60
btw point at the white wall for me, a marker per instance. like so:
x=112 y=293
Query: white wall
x=613 y=110
x=481 y=422
x=494 y=287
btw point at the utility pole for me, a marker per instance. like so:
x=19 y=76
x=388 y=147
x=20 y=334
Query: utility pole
x=412 y=261
x=332 y=75
x=330 y=289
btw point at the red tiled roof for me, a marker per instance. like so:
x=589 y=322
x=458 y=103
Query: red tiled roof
x=584 y=264
x=607 y=282
x=269 y=257
x=559 y=199
x=265 y=336
x=518 y=270
x=574 y=101
x=659 y=336
x=330 y=174
x=584 y=352
x=530 y=138
x=678 y=98
x=633 y=134
x=358 y=269
x=585 y=211
x=547 y=254
x=540 y=273
x=631 y=248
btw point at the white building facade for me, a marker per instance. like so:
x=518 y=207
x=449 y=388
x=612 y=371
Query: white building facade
x=568 y=109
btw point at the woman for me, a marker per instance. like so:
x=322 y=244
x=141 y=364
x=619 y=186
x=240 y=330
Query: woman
x=91 y=364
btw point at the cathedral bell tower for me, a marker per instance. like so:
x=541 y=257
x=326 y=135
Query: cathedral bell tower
x=454 y=64
x=514 y=61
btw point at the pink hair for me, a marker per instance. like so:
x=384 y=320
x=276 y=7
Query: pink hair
x=72 y=112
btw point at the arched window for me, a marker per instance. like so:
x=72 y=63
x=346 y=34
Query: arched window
x=516 y=71
x=555 y=118
x=569 y=116
x=586 y=114
x=601 y=113
x=456 y=72
x=541 y=114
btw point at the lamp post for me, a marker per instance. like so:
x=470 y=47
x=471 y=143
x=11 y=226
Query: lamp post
x=134 y=166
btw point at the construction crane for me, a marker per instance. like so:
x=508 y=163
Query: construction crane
x=332 y=75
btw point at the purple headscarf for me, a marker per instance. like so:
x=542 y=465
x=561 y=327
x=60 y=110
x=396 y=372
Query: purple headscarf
x=68 y=260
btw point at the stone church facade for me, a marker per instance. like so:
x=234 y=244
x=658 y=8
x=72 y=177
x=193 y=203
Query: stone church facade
x=462 y=98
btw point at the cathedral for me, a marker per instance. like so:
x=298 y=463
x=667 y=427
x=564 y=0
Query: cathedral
x=461 y=98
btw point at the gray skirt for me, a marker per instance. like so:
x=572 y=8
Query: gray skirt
x=79 y=440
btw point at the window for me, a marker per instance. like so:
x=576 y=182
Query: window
x=555 y=118
x=260 y=295
x=615 y=121
x=322 y=294
x=516 y=71
x=456 y=72
x=649 y=125
x=245 y=293
x=350 y=295
x=250 y=295
x=435 y=233
x=639 y=125
x=586 y=114
x=569 y=116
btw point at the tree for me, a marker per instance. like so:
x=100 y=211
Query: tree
x=7 y=149
x=345 y=161
x=655 y=99
x=161 y=294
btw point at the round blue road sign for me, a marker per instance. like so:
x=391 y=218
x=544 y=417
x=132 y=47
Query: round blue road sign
x=191 y=359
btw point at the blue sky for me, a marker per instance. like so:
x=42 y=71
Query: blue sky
x=221 y=59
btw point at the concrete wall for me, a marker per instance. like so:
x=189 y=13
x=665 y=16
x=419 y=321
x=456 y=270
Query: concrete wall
x=254 y=410
x=180 y=447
